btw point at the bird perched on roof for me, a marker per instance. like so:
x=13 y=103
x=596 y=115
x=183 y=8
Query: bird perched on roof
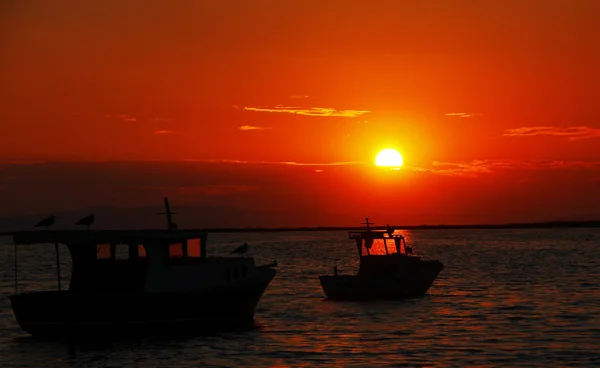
x=47 y=222
x=241 y=249
x=86 y=221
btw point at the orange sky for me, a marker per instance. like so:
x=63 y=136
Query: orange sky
x=493 y=106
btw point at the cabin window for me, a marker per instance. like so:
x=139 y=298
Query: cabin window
x=121 y=251
x=193 y=248
x=103 y=251
x=377 y=247
x=141 y=251
x=176 y=250
x=391 y=245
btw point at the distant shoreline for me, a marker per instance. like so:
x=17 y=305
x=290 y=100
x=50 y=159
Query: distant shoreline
x=539 y=225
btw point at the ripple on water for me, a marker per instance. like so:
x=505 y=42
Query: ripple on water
x=504 y=298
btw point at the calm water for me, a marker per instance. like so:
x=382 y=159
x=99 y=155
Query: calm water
x=526 y=298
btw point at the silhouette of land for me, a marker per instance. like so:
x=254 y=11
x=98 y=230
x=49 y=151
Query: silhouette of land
x=534 y=225
x=540 y=225
x=223 y=219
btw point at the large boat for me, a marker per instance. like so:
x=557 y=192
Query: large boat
x=387 y=270
x=140 y=281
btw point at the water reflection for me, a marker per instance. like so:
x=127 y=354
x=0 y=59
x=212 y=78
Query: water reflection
x=505 y=298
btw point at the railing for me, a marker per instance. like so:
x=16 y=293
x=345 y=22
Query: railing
x=373 y=235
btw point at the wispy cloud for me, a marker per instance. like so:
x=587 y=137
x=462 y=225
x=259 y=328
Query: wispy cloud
x=482 y=167
x=293 y=163
x=310 y=111
x=464 y=114
x=210 y=190
x=249 y=127
x=469 y=169
x=124 y=117
x=164 y=132
x=161 y=120
x=573 y=133
x=299 y=96
x=213 y=190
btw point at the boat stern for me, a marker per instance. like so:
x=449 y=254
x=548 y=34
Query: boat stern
x=413 y=284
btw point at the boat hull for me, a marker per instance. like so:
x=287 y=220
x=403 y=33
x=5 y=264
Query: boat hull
x=357 y=288
x=57 y=314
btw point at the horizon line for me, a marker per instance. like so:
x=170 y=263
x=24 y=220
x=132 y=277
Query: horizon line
x=515 y=225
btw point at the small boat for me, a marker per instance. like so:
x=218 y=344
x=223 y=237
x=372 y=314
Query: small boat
x=144 y=281
x=387 y=270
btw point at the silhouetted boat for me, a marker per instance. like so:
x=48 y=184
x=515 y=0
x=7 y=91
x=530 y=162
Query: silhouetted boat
x=387 y=269
x=141 y=281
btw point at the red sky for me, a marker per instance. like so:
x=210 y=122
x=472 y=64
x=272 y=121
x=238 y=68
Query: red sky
x=494 y=106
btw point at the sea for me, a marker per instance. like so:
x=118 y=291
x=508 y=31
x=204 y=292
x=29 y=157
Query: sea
x=505 y=298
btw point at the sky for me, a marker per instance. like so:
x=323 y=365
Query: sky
x=283 y=106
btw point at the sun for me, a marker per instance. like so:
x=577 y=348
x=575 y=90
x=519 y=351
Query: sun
x=389 y=157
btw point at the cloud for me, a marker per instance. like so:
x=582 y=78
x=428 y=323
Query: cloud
x=469 y=169
x=483 y=167
x=124 y=117
x=210 y=190
x=291 y=163
x=573 y=133
x=310 y=111
x=164 y=132
x=221 y=189
x=249 y=127
x=464 y=114
x=299 y=96
x=161 y=120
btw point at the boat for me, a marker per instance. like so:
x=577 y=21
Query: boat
x=387 y=269
x=140 y=281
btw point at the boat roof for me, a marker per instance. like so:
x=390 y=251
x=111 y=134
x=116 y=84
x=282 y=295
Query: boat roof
x=104 y=236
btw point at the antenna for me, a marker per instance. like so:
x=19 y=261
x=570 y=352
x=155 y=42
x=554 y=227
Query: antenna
x=368 y=223
x=170 y=224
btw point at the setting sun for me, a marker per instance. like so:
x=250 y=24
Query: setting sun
x=389 y=157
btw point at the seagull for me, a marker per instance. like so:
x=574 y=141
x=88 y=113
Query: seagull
x=47 y=222
x=86 y=221
x=241 y=249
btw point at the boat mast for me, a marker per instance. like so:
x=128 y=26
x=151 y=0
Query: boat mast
x=368 y=223
x=16 y=269
x=170 y=224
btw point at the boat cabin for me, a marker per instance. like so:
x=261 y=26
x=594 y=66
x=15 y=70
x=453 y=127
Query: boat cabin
x=382 y=252
x=379 y=243
x=120 y=261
